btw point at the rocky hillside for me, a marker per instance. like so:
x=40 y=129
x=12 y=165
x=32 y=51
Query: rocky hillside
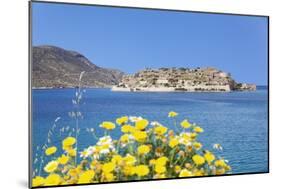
x=180 y=79
x=55 y=67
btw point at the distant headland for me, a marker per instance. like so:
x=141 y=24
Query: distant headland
x=181 y=79
x=55 y=67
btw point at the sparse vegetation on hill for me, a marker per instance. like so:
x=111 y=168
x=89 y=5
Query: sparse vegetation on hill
x=54 y=67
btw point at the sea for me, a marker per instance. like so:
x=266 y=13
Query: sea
x=236 y=120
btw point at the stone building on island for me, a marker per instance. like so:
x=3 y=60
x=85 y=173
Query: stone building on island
x=181 y=79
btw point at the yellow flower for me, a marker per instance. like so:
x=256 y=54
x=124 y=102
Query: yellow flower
x=185 y=124
x=152 y=162
x=160 y=130
x=199 y=172
x=38 y=181
x=122 y=120
x=220 y=163
x=127 y=128
x=61 y=170
x=140 y=136
x=143 y=149
x=52 y=180
x=124 y=138
x=160 y=169
x=63 y=159
x=173 y=142
x=141 y=124
x=198 y=160
x=68 y=142
x=172 y=114
x=96 y=165
x=51 y=150
x=79 y=169
x=193 y=136
x=197 y=145
x=128 y=170
x=117 y=159
x=86 y=177
x=185 y=173
x=220 y=171
x=227 y=168
x=108 y=167
x=129 y=159
x=107 y=125
x=177 y=168
x=209 y=157
x=141 y=170
x=105 y=147
x=73 y=172
x=72 y=152
x=109 y=177
x=186 y=136
x=51 y=166
x=198 y=129
x=161 y=161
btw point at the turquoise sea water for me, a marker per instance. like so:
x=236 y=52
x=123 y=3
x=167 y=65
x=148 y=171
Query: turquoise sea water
x=237 y=120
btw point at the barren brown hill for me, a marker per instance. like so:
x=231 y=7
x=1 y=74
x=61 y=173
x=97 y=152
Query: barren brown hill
x=56 y=67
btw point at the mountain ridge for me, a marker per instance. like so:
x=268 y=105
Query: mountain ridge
x=55 y=67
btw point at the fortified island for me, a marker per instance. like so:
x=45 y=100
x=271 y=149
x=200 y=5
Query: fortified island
x=181 y=79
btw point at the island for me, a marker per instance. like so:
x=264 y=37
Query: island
x=181 y=79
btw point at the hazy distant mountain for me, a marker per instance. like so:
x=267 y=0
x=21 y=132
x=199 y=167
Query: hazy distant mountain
x=56 y=67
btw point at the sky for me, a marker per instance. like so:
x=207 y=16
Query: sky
x=133 y=39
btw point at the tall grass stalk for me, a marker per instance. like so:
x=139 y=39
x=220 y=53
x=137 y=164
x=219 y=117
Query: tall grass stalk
x=78 y=114
x=47 y=142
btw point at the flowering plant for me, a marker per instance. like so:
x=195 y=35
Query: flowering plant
x=145 y=150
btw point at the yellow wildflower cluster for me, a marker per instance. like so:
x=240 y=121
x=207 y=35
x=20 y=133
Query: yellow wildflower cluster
x=146 y=150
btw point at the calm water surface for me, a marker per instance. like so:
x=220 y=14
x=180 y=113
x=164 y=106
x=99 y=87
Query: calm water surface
x=237 y=120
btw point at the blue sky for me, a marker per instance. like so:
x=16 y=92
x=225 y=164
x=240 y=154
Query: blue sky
x=133 y=39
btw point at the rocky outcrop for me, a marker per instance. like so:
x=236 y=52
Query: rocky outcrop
x=180 y=79
x=54 y=67
x=245 y=86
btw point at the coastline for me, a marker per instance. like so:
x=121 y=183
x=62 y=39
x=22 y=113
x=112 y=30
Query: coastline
x=197 y=88
x=259 y=87
x=46 y=88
